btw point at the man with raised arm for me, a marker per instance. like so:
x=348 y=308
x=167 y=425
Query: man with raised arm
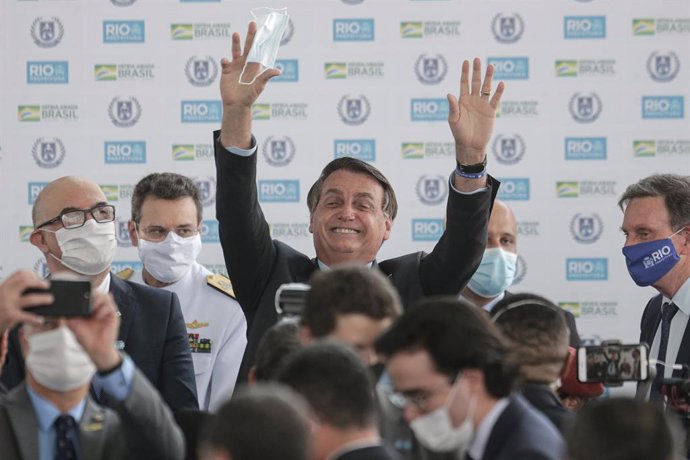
x=352 y=205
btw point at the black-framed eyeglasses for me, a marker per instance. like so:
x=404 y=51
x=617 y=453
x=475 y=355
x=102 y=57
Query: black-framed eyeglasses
x=75 y=218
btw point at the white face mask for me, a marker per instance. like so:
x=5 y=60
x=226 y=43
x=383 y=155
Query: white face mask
x=435 y=430
x=89 y=249
x=495 y=274
x=169 y=260
x=57 y=361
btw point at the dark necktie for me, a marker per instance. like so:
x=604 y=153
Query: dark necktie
x=668 y=311
x=64 y=434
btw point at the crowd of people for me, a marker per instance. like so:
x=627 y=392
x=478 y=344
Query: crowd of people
x=423 y=356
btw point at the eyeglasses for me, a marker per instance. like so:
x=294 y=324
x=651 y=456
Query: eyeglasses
x=76 y=218
x=419 y=398
x=157 y=234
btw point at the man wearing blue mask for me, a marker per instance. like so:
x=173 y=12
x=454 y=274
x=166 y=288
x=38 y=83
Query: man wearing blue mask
x=498 y=267
x=656 y=224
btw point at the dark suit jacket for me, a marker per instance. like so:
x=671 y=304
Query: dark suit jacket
x=522 y=433
x=140 y=427
x=569 y=319
x=651 y=317
x=258 y=265
x=545 y=400
x=368 y=453
x=154 y=335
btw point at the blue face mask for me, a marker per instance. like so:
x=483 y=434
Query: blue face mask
x=648 y=262
x=495 y=273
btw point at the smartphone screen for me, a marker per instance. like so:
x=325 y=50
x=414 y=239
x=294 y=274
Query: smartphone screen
x=612 y=363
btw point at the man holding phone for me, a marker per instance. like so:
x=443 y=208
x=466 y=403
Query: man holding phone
x=656 y=224
x=54 y=408
x=74 y=229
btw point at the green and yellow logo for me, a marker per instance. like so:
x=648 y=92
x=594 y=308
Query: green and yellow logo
x=184 y=152
x=572 y=307
x=333 y=70
x=111 y=192
x=644 y=27
x=105 y=72
x=644 y=148
x=25 y=232
x=566 y=68
x=182 y=31
x=261 y=112
x=411 y=29
x=567 y=189
x=412 y=150
x=29 y=113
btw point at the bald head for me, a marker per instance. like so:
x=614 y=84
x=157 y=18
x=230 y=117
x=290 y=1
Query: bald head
x=502 y=228
x=65 y=193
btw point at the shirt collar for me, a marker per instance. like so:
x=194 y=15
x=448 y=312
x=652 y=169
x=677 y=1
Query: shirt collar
x=104 y=287
x=46 y=412
x=486 y=426
x=682 y=298
x=324 y=267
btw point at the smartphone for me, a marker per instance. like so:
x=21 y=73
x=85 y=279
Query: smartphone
x=71 y=298
x=612 y=363
x=290 y=298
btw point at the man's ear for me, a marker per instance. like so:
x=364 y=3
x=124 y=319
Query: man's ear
x=132 y=230
x=305 y=335
x=37 y=238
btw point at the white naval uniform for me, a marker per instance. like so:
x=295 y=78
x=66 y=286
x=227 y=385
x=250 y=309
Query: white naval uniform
x=215 y=316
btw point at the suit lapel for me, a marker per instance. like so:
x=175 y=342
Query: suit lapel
x=651 y=320
x=92 y=431
x=23 y=420
x=504 y=425
x=122 y=293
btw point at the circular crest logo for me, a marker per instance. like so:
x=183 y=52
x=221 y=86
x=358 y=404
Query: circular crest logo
x=122 y=233
x=47 y=33
x=207 y=190
x=663 y=67
x=585 y=107
x=289 y=32
x=432 y=190
x=430 y=69
x=48 y=153
x=508 y=150
x=41 y=268
x=278 y=151
x=520 y=270
x=586 y=229
x=124 y=113
x=123 y=2
x=354 y=110
x=201 y=71
x=507 y=28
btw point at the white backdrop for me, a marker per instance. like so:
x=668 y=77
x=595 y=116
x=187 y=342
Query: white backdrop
x=597 y=97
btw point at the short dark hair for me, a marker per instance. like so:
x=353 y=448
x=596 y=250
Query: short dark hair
x=457 y=335
x=345 y=290
x=166 y=186
x=674 y=188
x=620 y=428
x=537 y=333
x=266 y=421
x=335 y=383
x=275 y=345
x=390 y=203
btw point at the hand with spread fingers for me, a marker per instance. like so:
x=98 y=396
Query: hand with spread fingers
x=471 y=115
x=238 y=97
x=13 y=301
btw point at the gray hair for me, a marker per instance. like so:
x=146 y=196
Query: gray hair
x=674 y=188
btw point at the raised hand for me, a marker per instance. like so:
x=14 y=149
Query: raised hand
x=471 y=116
x=98 y=332
x=13 y=302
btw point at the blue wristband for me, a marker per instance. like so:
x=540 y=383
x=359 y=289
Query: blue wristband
x=467 y=175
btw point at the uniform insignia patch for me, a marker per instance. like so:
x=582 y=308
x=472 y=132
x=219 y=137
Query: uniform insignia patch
x=125 y=274
x=197 y=344
x=197 y=324
x=221 y=283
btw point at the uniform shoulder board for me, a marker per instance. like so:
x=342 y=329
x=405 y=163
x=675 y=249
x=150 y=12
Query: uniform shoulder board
x=125 y=274
x=221 y=283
